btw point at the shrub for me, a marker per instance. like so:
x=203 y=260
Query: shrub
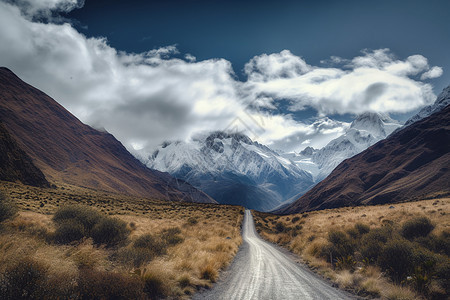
x=147 y=241
x=373 y=242
x=84 y=215
x=397 y=259
x=106 y=285
x=295 y=219
x=171 y=236
x=417 y=227
x=340 y=244
x=110 y=231
x=69 y=231
x=26 y=279
x=209 y=272
x=279 y=227
x=362 y=228
x=75 y=222
x=7 y=208
x=155 y=286
x=192 y=221
x=135 y=256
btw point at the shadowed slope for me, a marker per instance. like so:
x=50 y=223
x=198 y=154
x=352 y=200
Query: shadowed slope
x=66 y=150
x=15 y=164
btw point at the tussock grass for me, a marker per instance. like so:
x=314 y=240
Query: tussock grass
x=166 y=253
x=397 y=251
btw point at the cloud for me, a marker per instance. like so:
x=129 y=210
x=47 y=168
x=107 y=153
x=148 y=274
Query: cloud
x=44 y=8
x=434 y=72
x=146 y=98
x=375 y=81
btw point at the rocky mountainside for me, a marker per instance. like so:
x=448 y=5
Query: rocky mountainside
x=442 y=101
x=15 y=164
x=66 y=150
x=364 y=131
x=233 y=169
x=412 y=163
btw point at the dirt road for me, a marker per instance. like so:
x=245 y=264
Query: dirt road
x=261 y=271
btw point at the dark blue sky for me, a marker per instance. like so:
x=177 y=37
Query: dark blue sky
x=239 y=30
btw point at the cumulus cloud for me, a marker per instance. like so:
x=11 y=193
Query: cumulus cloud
x=146 y=98
x=434 y=72
x=375 y=81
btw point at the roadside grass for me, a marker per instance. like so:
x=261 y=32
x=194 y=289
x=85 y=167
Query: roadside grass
x=131 y=247
x=394 y=251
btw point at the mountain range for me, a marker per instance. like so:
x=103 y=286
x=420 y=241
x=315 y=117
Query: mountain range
x=45 y=135
x=412 y=163
x=232 y=169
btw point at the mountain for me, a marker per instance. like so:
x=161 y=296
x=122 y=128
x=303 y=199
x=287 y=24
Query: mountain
x=442 y=101
x=233 y=169
x=15 y=164
x=68 y=151
x=364 y=131
x=412 y=163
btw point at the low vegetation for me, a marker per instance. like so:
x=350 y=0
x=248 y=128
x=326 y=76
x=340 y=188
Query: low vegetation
x=396 y=251
x=68 y=242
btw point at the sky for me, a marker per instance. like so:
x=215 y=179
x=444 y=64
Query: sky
x=290 y=74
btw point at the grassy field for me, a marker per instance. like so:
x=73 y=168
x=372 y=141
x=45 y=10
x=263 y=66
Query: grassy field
x=159 y=249
x=397 y=251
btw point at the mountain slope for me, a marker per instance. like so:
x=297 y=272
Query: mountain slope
x=441 y=102
x=233 y=169
x=411 y=163
x=69 y=151
x=15 y=164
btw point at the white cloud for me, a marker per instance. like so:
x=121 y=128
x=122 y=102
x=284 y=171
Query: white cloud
x=375 y=81
x=146 y=98
x=434 y=72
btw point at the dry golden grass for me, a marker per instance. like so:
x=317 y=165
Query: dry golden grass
x=210 y=237
x=307 y=234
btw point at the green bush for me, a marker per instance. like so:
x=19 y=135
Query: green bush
x=417 y=227
x=397 y=259
x=106 y=285
x=7 y=208
x=109 y=231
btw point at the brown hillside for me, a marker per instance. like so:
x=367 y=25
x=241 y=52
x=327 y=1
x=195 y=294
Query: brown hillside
x=412 y=163
x=66 y=150
x=15 y=164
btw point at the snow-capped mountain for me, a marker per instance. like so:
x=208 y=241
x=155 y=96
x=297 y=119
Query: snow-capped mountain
x=365 y=130
x=233 y=169
x=441 y=101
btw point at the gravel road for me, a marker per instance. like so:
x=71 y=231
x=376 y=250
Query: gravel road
x=261 y=271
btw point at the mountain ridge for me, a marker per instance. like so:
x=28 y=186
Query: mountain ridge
x=233 y=169
x=411 y=163
x=66 y=150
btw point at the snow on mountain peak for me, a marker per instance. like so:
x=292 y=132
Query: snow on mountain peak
x=261 y=177
x=441 y=101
